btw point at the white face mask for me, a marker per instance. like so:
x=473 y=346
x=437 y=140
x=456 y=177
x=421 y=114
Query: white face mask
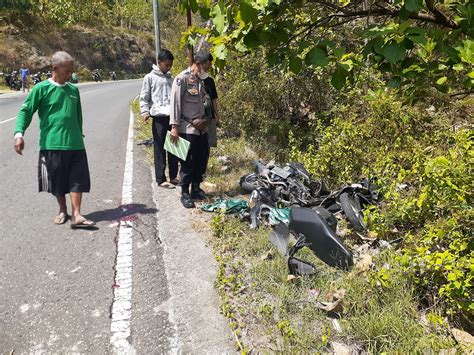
x=204 y=75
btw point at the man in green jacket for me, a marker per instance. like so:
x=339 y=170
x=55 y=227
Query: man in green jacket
x=62 y=166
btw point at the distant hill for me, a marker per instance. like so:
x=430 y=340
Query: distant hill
x=106 y=48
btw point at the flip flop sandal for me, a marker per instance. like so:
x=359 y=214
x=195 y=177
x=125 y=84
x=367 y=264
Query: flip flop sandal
x=167 y=185
x=83 y=223
x=61 y=218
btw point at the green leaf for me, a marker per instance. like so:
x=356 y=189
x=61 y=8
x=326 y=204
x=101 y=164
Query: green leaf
x=466 y=53
x=194 y=6
x=339 y=51
x=347 y=64
x=338 y=79
x=317 y=57
x=404 y=25
x=295 y=64
x=394 y=52
x=241 y=47
x=205 y=13
x=381 y=31
x=218 y=18
x=394 y=82
x=251 y=39
x=441 y=80
x=413 y=5
x=273 y=59
x=220 y=51
x=404 y=14
x=248 y=13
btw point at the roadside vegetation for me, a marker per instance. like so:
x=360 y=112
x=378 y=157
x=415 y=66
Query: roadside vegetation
x=386 y=97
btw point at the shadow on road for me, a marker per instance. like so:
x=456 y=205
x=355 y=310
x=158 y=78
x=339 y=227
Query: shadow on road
x=121 y=212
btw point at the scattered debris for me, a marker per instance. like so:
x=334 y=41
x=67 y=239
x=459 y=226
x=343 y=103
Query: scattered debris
x=223 y=159
x=336 y=325
x=146 y=142
x=314 y=293
x=335 y=302
x=233 y=205
x=268 y=255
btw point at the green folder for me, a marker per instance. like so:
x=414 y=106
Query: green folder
x=180 y=149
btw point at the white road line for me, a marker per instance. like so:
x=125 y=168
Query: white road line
x=89 y=92
x=122 y=304
x=10 y=119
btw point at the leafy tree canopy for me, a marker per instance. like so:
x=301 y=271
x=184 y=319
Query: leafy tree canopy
x=137 y=14
x=417 y=43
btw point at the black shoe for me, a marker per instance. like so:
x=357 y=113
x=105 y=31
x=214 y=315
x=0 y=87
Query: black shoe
x=198 y=194
x=187 y=201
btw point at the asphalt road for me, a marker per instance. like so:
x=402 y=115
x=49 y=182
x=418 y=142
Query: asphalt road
x=57 y=284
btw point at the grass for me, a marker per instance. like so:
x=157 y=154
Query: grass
x=142 y=130
x=270 y=312
x=4 y=88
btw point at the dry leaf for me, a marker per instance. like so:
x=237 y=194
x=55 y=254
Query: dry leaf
x=364 y=264
x=335 y=303
x=291 y=277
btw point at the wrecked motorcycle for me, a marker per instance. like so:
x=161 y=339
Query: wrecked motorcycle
x=313 y=230
x=290 y=185
x=293 y=185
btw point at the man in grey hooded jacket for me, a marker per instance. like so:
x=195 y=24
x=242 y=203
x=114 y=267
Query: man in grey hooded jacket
x=155 y=100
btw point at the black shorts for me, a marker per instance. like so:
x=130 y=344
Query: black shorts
x=63 y=171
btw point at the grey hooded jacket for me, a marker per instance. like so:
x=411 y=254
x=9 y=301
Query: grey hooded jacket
x=155 y=96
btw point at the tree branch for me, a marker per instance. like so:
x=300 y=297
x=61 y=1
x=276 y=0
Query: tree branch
x=436 y=16
x=441 y=16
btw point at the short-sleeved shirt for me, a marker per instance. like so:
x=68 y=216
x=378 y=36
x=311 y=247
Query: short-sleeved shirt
x=24 y=72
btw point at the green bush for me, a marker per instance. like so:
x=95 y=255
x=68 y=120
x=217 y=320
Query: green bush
x=422 y=157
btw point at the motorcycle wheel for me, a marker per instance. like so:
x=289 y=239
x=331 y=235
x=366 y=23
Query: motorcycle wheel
x=353 y=211
x=249 y=182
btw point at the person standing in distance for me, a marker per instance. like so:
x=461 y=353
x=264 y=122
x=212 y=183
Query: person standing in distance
x=155 y=99
x=24 y=73
x=188 y=102
x=62 y=166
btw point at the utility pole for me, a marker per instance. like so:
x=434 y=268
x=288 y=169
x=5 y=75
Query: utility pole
x=157 y=30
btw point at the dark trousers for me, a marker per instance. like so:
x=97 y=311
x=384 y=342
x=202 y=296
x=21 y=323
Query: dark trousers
x=160 y=125
x=193 y=169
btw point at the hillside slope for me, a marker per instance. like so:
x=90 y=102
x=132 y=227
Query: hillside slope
x=105 y=48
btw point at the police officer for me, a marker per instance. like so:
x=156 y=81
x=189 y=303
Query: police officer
x=188 y=106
